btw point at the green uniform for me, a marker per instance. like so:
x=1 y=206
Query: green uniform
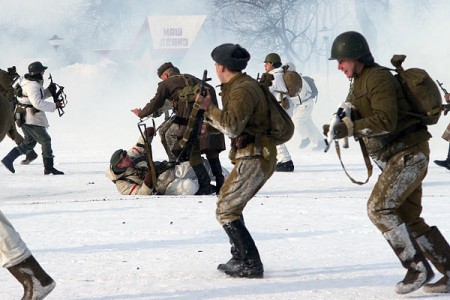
x=398 y=143
x=169 y=89
x=245 y=116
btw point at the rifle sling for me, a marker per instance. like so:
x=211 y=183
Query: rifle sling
x=191 y=122
x=366 y=161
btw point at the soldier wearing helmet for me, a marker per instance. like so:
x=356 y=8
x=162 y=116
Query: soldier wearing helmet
x=398 y=144
x=36 y=123
x=273 y=66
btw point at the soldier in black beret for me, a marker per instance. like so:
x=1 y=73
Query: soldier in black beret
x=245 y=118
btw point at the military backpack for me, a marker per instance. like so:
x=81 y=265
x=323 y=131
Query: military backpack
x=281 y=125
x=421 y=92
x=293 y=81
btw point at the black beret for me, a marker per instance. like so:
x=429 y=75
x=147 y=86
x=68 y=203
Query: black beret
x=164 y=67
x=231 y=56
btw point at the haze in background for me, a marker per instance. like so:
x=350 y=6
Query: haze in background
x=101 y=92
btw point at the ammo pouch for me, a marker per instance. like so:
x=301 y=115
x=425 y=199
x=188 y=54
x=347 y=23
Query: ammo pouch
x=19 y=115
x=246 y=145
x=242 y=140
x=285 y=103
x=189 y=92
x=180 y=120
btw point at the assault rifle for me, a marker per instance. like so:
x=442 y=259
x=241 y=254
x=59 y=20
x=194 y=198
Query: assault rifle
x=343 y=111
x=194 y=123
x=148 y=149
x=445 y=107
x=58 y=96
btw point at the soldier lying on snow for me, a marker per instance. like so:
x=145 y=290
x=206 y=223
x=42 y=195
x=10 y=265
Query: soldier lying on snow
x=129 y=171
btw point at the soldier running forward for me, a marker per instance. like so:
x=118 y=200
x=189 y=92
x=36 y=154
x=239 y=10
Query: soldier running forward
x=273 y=65
x=398 y=144
x=211 y=143
x=245 y=119
x=36 y=123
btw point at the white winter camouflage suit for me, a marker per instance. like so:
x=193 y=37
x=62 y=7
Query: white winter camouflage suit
x=180 y=180
x=279 y=90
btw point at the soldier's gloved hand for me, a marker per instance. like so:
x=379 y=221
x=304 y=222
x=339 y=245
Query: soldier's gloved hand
x=150 y=131
x=206 y=100
x=340 y=131
x=59 y=104
x=326 y=128
x=52 y=88
x=343 y=129
x=148 y=181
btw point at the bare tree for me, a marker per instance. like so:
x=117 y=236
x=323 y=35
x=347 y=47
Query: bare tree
x=289 y=27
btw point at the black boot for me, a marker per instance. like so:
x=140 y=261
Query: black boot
x=285 y=166
x=48 y=167
x=10 y=158
x=436 y=250
x=234 y=263
x=216 y=169
x=37 y=284
x=444 y=163
x=235 y=260
x=204 y=181
x=30 y=156
x=411 y=257
x=250 y=265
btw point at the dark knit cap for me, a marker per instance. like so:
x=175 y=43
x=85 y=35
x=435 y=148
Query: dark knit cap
x=117 y=157
x=231 y=56
x=164 y=67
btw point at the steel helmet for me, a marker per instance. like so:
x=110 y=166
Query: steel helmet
x=350 y=44
x=36 y=68
x=273 y=58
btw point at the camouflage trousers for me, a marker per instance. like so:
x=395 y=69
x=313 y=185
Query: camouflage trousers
x=164 y=135
x=397 y=196
x=245 y=180
x=173 y=132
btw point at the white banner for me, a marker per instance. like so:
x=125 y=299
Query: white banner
x=174 y=32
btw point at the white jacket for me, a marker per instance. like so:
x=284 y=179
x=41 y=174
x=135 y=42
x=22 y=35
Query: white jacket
x=35 y=95
x=278 y=85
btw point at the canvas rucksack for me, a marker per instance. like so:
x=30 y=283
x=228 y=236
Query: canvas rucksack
x=420 y=91
x=293 y=81
x=312 y=85
x=281 y=125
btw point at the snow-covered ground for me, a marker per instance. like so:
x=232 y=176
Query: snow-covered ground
x=310 y=226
